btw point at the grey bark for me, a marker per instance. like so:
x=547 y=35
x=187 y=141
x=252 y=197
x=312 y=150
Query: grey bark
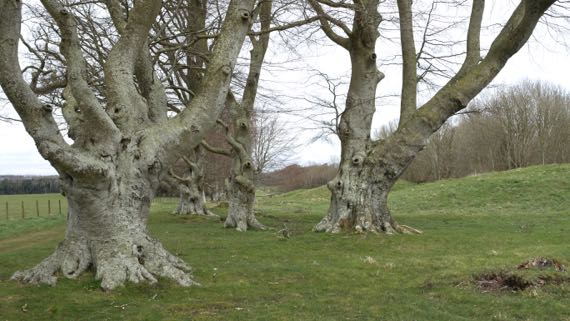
x=356 y=202
x=369 y=169
x=240 y=186
x=191 y=187
x=107 y=231
x=121 y=149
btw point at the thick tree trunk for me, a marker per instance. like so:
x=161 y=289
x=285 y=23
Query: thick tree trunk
x=369 y=169
x=359 y=203
x=107 y=232
x=359 y=192
x=241 y=200
x=192 y=201
x=240 y=186
x=191 y=187
x=122 y=148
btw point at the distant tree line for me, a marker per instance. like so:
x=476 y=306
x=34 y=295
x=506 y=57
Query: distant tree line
x=523 y=125
x=518 y=126
x=296 y=176
x=29 y=185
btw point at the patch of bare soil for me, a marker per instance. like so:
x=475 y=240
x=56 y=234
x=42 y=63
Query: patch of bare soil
x=515 y=282
x=497 y=281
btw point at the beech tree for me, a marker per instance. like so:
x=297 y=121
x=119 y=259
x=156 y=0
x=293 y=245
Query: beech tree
x=180 y=44
x=184 y=35
x=191 y=186
x=124 y=142
x=368 y=169
x=238 y=127
x=240 y=186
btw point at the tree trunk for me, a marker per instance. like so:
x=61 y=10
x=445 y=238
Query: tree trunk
x=107 y=231
x=240 y=185
x=240 y=207
x=192 y=201
x=359 y=201
x=123 y=143
x=369 y=169
x=359 y=192
x=191 y=187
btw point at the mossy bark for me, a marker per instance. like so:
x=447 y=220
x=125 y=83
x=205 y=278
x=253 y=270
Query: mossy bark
x=107 y=232
x=241 y=183
x=191 y=186
x=123 y=144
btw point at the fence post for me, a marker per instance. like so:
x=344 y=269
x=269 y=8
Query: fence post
x=59 y=204
x=37 y=209
x=7 y=215
x=49 y=207
x=23 y=212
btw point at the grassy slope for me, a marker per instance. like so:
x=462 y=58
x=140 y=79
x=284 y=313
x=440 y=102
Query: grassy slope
x=470 y=225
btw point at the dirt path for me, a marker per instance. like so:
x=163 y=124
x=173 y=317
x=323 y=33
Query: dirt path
x=31 y=239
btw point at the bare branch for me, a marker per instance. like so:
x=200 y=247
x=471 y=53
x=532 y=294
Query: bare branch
x=409 y=73
x=473 y=36
x=215 y=150
x=284 y=27
x=127 y=107
x=179 y=178
x=37 y=117
x=77 y=72
x=327 y=29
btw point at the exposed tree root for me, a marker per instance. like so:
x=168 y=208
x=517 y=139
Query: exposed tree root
x=71 y=257
x=141 y=259
x=194 y=209
x=363 y=226
x=405 y=229
x=242 y=222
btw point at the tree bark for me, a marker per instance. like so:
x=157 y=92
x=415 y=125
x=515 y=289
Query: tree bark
x=358 y=200
x=368 y=169
x=191 y=201
x=359 y=203
x=107 y=232
x=191 y=187
x=358 y=196
x=122 y=149
x=241 y=199
x=240 y=185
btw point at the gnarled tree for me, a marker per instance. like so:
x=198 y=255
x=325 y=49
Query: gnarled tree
x=191 y=187
x=186 y=51
x=123 y=144
x=240 y=186
x=369 y=169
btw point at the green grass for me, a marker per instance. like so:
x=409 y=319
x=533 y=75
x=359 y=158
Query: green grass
x=483 y=223
x=40 y=211
x=47 y=204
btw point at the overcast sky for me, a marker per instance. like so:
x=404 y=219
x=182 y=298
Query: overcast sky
x=546 y=60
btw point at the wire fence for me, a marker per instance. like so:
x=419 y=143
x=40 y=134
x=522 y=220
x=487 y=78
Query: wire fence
x=50 y=205
x=28 y=208
x=164 y=203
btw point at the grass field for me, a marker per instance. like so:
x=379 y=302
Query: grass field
x=40 y=211
x=479 y=224
x=33 y=205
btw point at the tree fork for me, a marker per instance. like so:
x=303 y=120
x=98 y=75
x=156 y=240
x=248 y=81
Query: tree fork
x=110 y=177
